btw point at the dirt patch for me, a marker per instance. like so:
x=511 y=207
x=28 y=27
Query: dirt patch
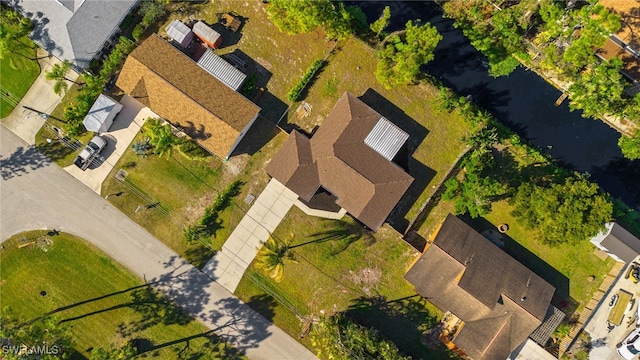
x=367 y=278
x=194 y=210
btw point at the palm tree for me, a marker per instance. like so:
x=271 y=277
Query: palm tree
x=161 y=137
x=58 y=73
x=272 y=257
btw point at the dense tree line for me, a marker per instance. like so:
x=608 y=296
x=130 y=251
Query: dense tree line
x=562 y=39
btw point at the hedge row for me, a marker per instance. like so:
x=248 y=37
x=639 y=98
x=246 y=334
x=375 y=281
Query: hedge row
x=296 y=91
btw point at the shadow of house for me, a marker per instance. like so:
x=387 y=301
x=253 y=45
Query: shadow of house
x=422 y=174
x=261 y=132
x=350 y=156
x=493 y=301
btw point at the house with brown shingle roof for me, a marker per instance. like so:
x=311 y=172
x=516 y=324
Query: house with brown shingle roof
x=177 y=89
x=498 y=301
x=625 y=44
x=350 y=156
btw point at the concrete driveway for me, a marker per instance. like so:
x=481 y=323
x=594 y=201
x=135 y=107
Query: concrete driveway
x=228 y=266
x=606 y=341
x=26 y=123
x=125 y=127
x=36 y=194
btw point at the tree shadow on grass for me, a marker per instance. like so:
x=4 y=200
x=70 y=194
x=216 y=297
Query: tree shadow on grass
x=198 y=255
x=403 y=321
x=342 y=234
x=214 y=348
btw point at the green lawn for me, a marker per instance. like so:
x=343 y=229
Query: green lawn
x=282 y=58
x=566 y=265
x=364 y=279
x=435 y=137
x=18 y=70
x=106 y=303
x=182 y=188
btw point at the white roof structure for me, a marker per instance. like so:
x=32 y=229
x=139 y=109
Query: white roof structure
x=221 y=70
x=101 y=115
x=386 y=138
x=74 y=30
x=179 y=32
x=205 y=32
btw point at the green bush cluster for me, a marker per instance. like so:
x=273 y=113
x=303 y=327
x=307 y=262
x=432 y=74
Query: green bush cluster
x=210 y=221
x=296 y=91
x=94 y=84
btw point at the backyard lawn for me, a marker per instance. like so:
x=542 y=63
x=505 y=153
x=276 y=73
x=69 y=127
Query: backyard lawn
x=363 y=278
x=106 y=304
x=568 y=267
x=18 y=70
x=435 y=137
x=281 y=59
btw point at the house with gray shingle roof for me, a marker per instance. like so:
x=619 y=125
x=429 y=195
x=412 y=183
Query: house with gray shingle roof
x=496 y=302
x=618 y=243
x=74 y=30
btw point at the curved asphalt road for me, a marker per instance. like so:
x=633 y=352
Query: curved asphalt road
x=36 y=194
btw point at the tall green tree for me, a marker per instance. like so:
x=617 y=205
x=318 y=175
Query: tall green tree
x=335 y=337
x=379 y=25
x=273 y=256
x=45 y=338
x=304 y=16
x=568 y=212
x=404 y=52
x=151 y=11
x=12 y=28
x=599 y=91
x=161 y=137
x=475 y=191
x=58 y=73
x=630 y=145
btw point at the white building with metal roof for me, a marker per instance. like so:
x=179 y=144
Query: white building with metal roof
x=221 y=70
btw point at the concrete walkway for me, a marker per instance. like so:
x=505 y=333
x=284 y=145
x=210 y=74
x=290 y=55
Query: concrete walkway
x=228 y=266
x=26 y=123
x=125 y=127
x=36 y=194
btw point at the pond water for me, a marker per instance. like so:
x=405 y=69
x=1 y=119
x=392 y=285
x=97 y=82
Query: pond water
x=524 y=102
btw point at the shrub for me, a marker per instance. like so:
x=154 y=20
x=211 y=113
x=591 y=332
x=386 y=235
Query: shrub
x=296 y=91
x=137 y=32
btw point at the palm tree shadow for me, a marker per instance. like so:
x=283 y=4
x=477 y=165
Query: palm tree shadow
x=342 y=234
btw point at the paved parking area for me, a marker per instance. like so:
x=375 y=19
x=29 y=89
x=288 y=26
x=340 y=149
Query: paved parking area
x=228 y=266
x=125 y=127
x=605 y=341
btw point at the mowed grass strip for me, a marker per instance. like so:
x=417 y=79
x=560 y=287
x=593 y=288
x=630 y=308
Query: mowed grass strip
x=119 y=306
x=18 y=70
